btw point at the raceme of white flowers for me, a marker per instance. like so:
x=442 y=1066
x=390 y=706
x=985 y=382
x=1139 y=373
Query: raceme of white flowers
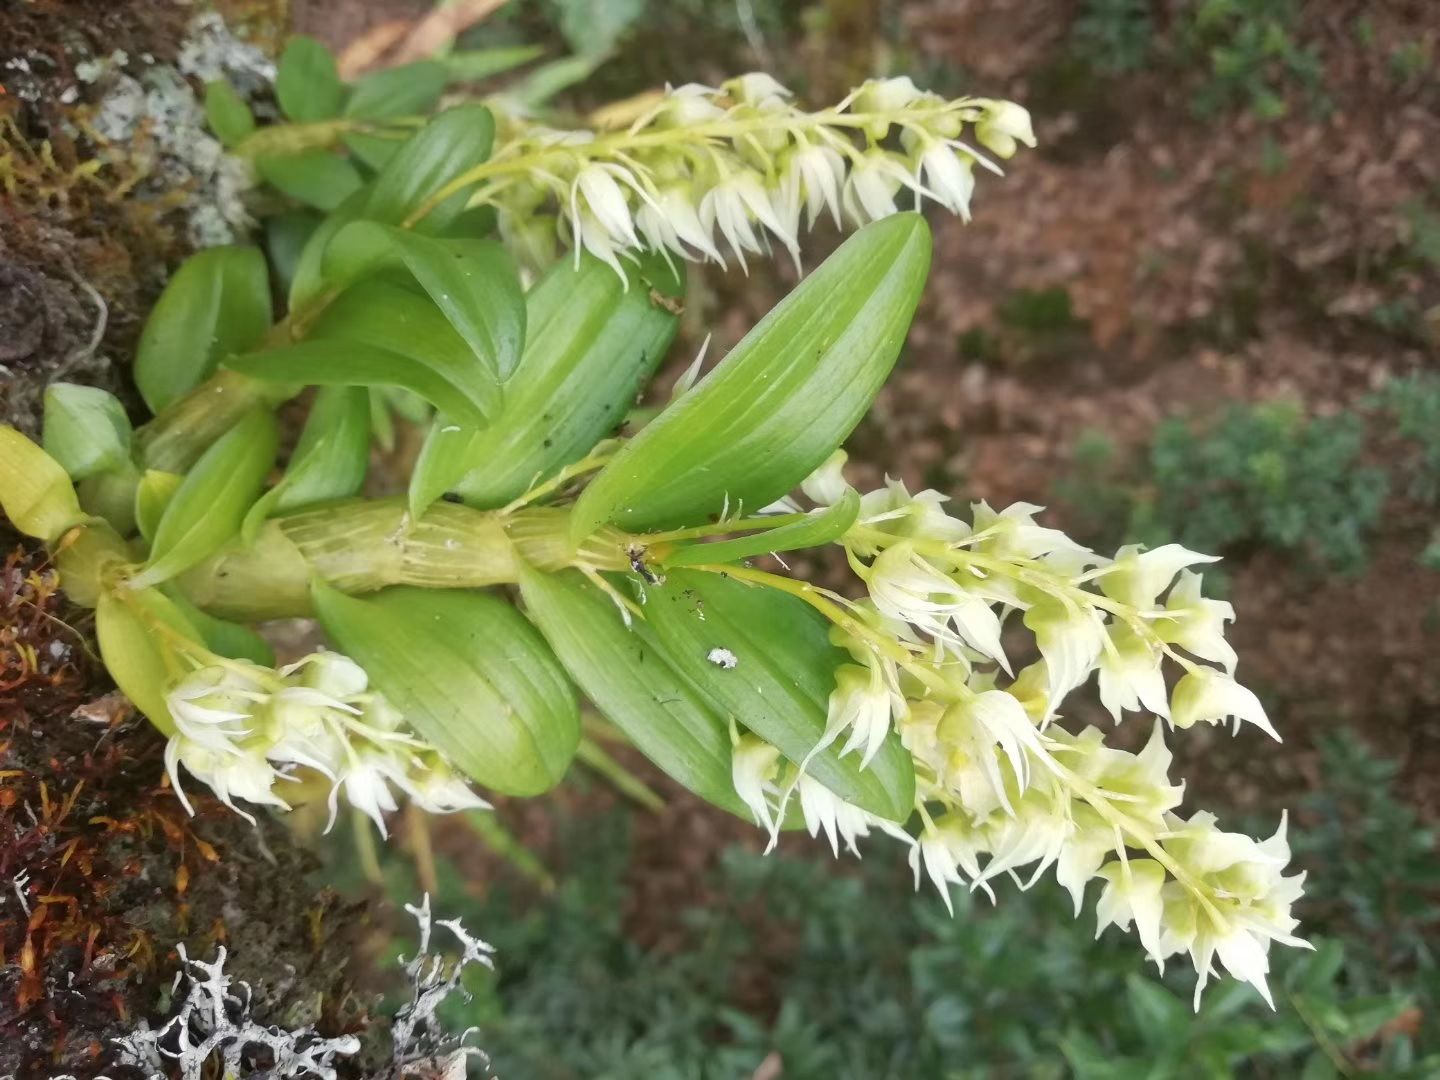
x=709 y=173
x=1001 y=787
x=247 y=730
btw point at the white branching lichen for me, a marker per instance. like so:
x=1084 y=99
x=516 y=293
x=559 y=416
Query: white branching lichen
x=214 y=1023
x=214 y=1020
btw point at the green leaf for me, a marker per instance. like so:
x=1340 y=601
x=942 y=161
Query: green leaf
x=818 y=528
x=378 y=333
x=153 y=495
x=470 y=674
x=547 y=80
x=139 y=659
x=285 y=238
x=111 y=495
x=333 y=454
x=308 y=281
x=774 y=409
x=472 y=65
x=207 y=509
x=591 y=345
x=349 y=363
x=218 y=303
x=86 y=429
x=227 y=113
x=596 y=26
x=450 y=144
x=781 y=684
x=474 y=282
x=35 y=491
x=407 y=90
x=631 y=682
x=330 y=460
x=374 y=150
x=307 y=83
x=220 y=635
x=318 y=178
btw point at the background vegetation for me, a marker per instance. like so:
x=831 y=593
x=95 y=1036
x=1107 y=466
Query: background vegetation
x=1204 y=311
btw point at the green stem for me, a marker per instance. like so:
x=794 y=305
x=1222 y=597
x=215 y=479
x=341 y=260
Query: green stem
x=369 y=544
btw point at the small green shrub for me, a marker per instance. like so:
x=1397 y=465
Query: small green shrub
x=1114 y=35
x=1253 y=55
x=1264 y=474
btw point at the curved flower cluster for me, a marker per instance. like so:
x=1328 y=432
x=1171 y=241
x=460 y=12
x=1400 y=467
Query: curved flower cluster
x=243 y=729
x=709 y=171
x=1001 y=787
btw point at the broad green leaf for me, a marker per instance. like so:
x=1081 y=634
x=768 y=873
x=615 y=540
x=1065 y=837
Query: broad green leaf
x=111 y=495
x=35 y=491
x=373 y=149
x=137 y=656
x=86 y=429
x=453 y=142
x=308 y=282
x=218 y=303
x=631 y=681
x=470 y=675
x=307 y=84
x=330 y=460
x=380 y=333
x=220 y=635
x=407 y=90
x=333 y=454
x=547 y=80
x=818 y=528
x=781 y=683
x=227 y=113
x=285 y=238
x=318 y=178
x=596 y=26
x=782 y=401
x=350 y=363
x=447 y=146
x=472 y=65
x=591 y=345
x=156 y=489
x=207 y=509
x=474 y=282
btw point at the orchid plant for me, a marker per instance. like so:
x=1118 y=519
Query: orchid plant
x=553 y=544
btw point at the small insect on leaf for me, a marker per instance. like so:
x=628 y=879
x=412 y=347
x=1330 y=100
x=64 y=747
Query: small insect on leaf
x=765 y=658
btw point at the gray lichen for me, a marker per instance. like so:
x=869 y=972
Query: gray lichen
x=215 y=1023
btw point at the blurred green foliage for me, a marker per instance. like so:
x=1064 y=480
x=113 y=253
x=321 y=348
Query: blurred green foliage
x=843 y=972
x=1248 y=50
x=1114 y=35
x=1264 y=475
